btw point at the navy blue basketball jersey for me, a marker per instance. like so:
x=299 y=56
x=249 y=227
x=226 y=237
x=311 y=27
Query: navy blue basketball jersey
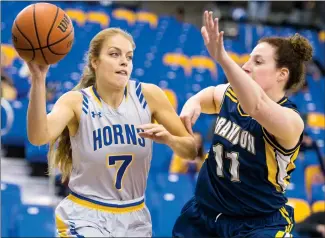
x=247 y=171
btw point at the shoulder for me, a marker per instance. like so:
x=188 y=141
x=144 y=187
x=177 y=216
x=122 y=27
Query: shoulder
x=219 y=94
x=220 y=90
x=72 y=96
x=71 y=99
x=152 y=91
x=156 y=97
x=292 y=109
x=150 y=87
x=222 y=87
x=289 y=104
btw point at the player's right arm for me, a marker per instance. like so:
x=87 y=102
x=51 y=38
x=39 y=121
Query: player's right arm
x=42 y=128
x=206 y=101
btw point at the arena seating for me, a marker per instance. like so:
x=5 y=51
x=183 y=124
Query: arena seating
x=172 y=55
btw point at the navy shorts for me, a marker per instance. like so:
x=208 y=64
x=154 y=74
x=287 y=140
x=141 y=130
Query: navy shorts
x=193 y=222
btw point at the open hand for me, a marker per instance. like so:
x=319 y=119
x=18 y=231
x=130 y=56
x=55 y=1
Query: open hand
x=155 y=132
x=213 y=39
x=37 y=71
x=190 y=113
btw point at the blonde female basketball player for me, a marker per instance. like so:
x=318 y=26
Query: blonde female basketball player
x=104 y=133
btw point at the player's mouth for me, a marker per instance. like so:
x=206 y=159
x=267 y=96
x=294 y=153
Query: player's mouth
x=122 y=72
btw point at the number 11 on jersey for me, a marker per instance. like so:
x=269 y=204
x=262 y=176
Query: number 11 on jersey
x=219 y=156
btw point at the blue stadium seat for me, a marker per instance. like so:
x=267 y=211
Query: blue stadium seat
x=35 y=221
x=317 y=90
x=13 y=122
x=153 y=201
x=297 y=176
x=310 y=158
x=287 y=31
x=10 y=205
x=174 y=191
x=296 y=191
x=37 y=153
x=161 y=157
x=318 y=192
x=319 y=50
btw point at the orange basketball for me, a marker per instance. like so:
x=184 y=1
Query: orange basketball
x=42 y=33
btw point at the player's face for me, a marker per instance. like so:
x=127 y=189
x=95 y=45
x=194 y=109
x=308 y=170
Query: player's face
x=262 y=66
x=115 y=61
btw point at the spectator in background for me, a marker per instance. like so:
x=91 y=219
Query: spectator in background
x=181 y=165
x=8 y=91
x=321 y=8
x=180 y=14
x=313 y=226
x=258 y=10
x=309 y=144
x=50 y=92
x=315 y=70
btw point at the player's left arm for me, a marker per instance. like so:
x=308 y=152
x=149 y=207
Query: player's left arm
x=283 y=123
x=170 y=129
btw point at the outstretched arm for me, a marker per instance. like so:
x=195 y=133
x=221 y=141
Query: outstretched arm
x=285 y=124
x=175 y=134
x=43 y=128
x=207 y=101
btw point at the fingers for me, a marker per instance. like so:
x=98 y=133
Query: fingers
x=153 y=136
x=151 y=129
x=188 y=125
x=210 y=26
x=162 y=133
x=195 y=117
x=182 y=119
x=45 y=67
x=30 y=65
x=221 y=38
x=155 y=130
x=145 y=135
x=147 y=126
x=211 y=23
x=206 y=19
x=216 y=25
x=205 y=35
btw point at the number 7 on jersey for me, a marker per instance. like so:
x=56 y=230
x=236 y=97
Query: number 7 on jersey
x=126 y=160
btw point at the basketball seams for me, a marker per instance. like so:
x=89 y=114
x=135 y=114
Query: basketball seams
x=59 y=42
x=38 y=40
x=27 y=40
x=40 y=33
x=44 y=47
x=48 y=35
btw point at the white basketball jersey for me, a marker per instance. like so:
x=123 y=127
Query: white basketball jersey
x=110 y=160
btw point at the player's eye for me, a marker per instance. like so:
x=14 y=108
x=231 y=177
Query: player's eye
x=130 y=57
x=114 y=54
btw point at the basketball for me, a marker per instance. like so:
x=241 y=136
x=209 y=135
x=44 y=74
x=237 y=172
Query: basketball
x=42 y=33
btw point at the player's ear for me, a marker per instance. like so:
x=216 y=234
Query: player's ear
x=94 y=63
x=283 y=74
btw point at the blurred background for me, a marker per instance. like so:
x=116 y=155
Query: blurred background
x=170 y=53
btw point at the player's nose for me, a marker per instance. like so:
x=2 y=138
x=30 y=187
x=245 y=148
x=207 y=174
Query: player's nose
x=123 y=61
x=246 y=68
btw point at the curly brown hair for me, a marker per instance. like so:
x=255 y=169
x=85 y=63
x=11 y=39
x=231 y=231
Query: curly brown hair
x=291 y=53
